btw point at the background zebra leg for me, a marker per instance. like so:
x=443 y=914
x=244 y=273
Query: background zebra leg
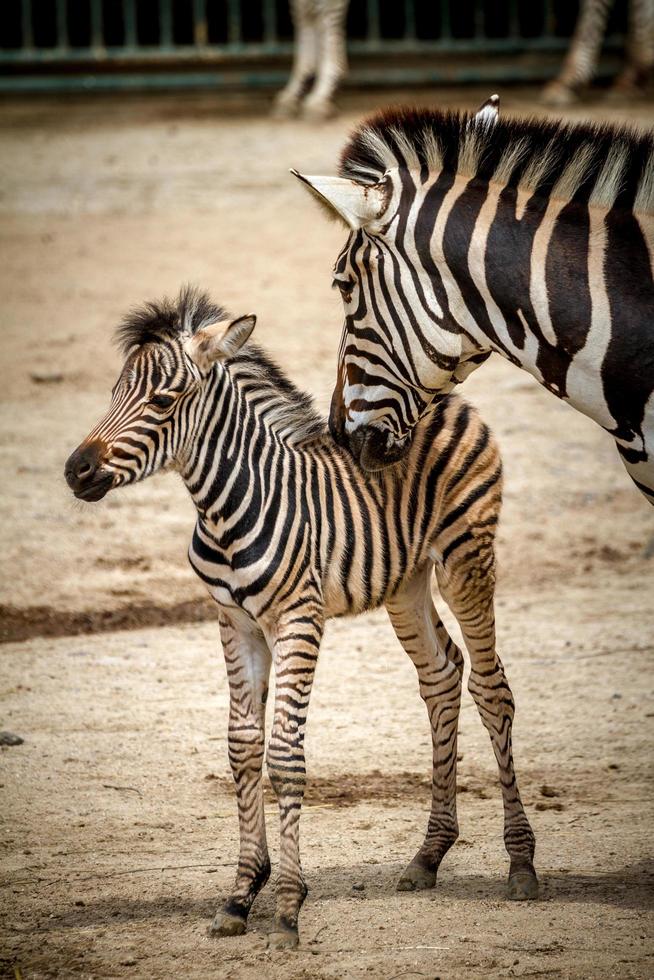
x=305 y=56
x=640 y=50
x=581 y=60
x=247 y=658
x=295 y=656
x=332 y=60
x=439 y=664
x=471 y=600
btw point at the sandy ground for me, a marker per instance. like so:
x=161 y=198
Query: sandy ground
x=118 y=821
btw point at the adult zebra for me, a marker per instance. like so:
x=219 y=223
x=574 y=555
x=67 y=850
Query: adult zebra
x=290 y=531
x=469 y=235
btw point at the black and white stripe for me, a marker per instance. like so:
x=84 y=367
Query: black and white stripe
x=290 y=531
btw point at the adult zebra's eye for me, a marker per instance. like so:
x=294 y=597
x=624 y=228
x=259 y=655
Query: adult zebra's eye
x=160 y=400
x=346 y=286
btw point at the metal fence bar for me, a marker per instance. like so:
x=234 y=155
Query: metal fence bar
x=514 y=19
x=410 y=21
x=97 y=32
x=27 y=32
x=200 y=27
x=446 y=21
x=372 y=15
x=61 y=25
x=269 y=12
x=234 y=35
x=129 y=20
x=165 y=24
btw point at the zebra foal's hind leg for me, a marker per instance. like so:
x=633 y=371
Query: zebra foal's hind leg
x=439 y=664
x=467 y=583
x=247 y=658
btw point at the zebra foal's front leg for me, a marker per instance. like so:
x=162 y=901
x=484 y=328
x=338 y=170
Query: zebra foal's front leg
x=295 y=652
x=247 y=658
x=439 y=664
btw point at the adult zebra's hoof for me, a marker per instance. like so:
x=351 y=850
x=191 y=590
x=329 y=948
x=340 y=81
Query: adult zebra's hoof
x=283 y=938
x=416 y=877
x=523 y=886
x=225 y=924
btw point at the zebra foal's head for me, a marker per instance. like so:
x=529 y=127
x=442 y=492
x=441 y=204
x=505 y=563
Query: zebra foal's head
x=389 y=371
x=171 y=351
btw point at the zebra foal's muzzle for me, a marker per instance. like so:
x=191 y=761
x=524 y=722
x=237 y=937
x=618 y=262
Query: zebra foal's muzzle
x=375 y=449
x=84 y=473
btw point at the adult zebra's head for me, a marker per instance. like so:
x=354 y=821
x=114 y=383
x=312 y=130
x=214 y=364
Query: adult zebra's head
x=171 y=352
x=401 y=345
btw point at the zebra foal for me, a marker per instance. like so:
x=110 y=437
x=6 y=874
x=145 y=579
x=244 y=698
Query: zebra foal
x=289 y=532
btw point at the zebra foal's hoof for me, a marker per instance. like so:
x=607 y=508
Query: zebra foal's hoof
x=523 y=886
x=416 y=877
x=225 y=924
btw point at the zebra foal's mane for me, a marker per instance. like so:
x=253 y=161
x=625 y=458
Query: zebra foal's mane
x=157 y=322
x=600 y=164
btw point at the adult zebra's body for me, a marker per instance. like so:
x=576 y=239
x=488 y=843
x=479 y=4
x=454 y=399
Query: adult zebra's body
x=290 y=531
x=470 y=235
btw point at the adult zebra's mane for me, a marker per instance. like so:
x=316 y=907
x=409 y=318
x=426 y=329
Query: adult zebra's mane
x=601 y=164
x=164 y=320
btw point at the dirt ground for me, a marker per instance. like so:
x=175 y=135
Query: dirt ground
x=119 y=832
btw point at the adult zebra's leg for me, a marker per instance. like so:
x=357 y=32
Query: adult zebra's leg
x=295 y=645
x=305 y=56
x=581 y=60
x=332 y=59
x=467 y=584
x=247 y=658
x=439 y=664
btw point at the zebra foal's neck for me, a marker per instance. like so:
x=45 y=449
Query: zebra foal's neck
x=252 y=416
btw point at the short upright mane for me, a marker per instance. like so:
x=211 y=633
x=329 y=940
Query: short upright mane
x=166 y=319
x=602 y=164
x=291 y=410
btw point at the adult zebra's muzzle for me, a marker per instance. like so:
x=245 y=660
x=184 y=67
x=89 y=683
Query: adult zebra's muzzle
x=375 y=449
x=84 y=473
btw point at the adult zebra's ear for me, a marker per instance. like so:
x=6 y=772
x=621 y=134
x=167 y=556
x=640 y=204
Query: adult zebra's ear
x=356 y=204
x=219 y=341
x=489 y=112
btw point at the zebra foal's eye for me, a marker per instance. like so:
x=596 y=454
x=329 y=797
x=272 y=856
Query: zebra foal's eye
x=160 y=400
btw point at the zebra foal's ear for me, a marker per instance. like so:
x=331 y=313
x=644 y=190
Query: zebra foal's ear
x=355 y=204
x=489 y=112
x=219 y=341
